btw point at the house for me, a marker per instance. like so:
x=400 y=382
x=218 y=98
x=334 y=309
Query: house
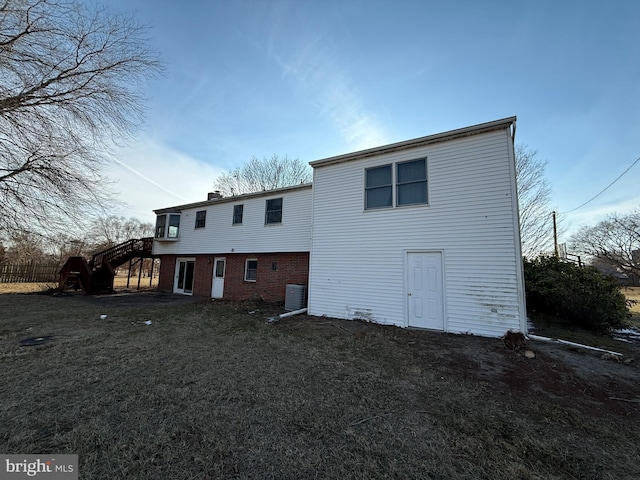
x=422 y=233
x=240 y=247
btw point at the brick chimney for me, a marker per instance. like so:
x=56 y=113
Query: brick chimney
x=214 y=195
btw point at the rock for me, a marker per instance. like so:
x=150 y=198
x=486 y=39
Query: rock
x=529 y=354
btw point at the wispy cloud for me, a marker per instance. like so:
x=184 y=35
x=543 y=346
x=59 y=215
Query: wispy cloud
x=150 y=175
x=589 y=216
x=312 y=64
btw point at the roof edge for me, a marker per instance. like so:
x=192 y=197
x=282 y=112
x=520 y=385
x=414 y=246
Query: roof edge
x=418 y=142
x=234 y=198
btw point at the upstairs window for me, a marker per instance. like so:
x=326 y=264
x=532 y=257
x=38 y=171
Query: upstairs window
x=167 y=226
x=411 y=182
x=273 y=211
x=174 y=225
x=201 y=218
x=378 y=187
x=161 y=225
x=237 y=214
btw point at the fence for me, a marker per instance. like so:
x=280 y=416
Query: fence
x=29 y=272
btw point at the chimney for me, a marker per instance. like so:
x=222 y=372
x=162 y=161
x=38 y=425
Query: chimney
x=214 y=195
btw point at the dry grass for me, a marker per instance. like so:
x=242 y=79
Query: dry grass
x=119 y=284
x=633 y=293
x=209 y=390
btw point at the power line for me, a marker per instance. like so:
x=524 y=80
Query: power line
x=604 y=189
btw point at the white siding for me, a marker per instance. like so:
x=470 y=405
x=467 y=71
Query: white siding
x=252 y=236
x=358 y=257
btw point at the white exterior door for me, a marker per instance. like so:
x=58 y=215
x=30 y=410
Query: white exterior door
x=217 y=288
x=425 y=291
x=183 y=280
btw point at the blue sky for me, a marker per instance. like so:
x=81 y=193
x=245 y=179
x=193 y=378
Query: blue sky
x=311 y=79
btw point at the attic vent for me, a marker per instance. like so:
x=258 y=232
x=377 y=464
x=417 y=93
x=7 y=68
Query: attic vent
x=214 y=195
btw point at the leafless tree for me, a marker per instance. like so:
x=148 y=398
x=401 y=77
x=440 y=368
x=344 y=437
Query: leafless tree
x=109 y=231
x=615 y=241
x=266 y=174
x=26 y=247
x=71 y=76
x=534 y=198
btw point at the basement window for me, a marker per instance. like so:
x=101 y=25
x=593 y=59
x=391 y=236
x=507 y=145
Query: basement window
x=250 y=270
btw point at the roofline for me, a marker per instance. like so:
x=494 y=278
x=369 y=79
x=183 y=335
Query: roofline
x=234 y=198
x=418 y=142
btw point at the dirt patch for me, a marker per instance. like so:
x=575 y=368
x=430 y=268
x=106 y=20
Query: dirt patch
x=591 y=382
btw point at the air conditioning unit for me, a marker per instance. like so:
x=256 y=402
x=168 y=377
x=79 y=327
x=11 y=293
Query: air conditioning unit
x=295 y=297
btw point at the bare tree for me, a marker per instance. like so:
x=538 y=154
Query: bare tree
x=109 y=231
x=70 y=81
x=266 y=174
x=615 y=241
x=25 y=247
x=534 y=198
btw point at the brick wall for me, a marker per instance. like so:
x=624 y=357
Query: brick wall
x=167 y=269
x=202 y=274
x=275 y=271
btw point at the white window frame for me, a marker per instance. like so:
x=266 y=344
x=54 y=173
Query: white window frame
x=246 y=269
x=368 y=188
x=395 y=184
x=424 y=180
x=167 y=227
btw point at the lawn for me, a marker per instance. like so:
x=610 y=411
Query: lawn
x=633 y=294
x=210 y=390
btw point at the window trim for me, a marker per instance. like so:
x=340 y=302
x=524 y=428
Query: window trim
x=367 y=189
x=394 y=185
x=203 y=220
x=166 y=227
x=425 y=180
x=246 y=270
x=233 y=220
x=157 y=233
x=177 y=234
x=267 y=211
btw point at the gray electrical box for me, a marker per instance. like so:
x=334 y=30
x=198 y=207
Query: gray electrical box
x=295 y=297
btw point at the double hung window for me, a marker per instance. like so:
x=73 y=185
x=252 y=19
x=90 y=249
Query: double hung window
x=273 y=213
x=201 y=218
x=251 y=270
x=408 y=179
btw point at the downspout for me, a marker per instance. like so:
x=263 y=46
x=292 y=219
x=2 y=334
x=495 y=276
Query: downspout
x=516 y=224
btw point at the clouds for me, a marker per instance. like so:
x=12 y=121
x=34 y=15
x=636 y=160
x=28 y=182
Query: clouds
x=318 y=70
x=150 y=176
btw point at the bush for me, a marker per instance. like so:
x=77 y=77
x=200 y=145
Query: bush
x=582 y=296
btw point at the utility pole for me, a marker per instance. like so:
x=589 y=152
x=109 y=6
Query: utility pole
x=555 y=235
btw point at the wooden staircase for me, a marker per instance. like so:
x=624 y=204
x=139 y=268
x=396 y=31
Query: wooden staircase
x=96 y=276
